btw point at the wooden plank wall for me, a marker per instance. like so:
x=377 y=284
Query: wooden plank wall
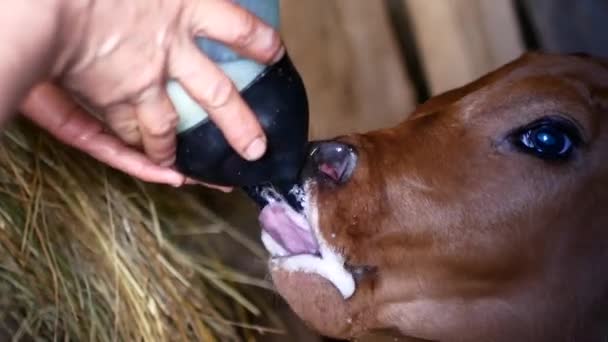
x=349 y=56
x=350 y=63
x=460 y=40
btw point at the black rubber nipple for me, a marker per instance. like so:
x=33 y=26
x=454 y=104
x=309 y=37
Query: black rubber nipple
x=279 y=100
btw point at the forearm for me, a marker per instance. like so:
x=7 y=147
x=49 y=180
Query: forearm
x=29 y=38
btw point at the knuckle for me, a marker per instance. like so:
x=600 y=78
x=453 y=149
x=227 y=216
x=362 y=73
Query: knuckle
x=146 y=94
x=145 y=89
x=218 y=93
x=158 y=130
x=163 y=126
x=127 y=132
x=246 y=30
x=138 y=87
x=122 y=122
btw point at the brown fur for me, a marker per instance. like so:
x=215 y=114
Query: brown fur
x=470 y=239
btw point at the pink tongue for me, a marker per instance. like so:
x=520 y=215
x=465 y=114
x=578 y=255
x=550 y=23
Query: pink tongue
x=288 y=228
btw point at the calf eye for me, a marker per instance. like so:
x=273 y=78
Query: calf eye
x=548 y=138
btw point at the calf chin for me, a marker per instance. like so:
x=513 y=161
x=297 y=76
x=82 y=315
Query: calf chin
x=320 y=305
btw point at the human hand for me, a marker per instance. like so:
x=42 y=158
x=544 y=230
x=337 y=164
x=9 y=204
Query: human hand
x=117 y=59
x=55 y=111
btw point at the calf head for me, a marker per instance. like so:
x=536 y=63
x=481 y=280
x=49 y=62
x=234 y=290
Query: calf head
x=482 y=217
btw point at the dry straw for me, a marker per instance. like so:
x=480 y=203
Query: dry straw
x=84 y=254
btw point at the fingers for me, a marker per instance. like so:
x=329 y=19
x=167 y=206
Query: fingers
x=210 y=87
x=51 y=109
x=157 y=123
x=150 y=120
x=122 y=120
x=232 y=25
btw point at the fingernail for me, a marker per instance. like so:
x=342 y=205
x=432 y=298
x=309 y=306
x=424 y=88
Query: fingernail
x=277 y=57
x=274 y=45
x=190 y=181
x=255 y=149
x=177 y=180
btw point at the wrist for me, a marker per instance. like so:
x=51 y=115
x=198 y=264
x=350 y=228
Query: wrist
x=30 y=34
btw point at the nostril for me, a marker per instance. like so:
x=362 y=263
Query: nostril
x=332 y=171
x=333 y=160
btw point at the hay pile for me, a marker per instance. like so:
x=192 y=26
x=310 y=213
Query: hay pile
x=84 y=254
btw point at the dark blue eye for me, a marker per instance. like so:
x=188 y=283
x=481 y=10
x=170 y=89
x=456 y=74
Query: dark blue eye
x=548 y=139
